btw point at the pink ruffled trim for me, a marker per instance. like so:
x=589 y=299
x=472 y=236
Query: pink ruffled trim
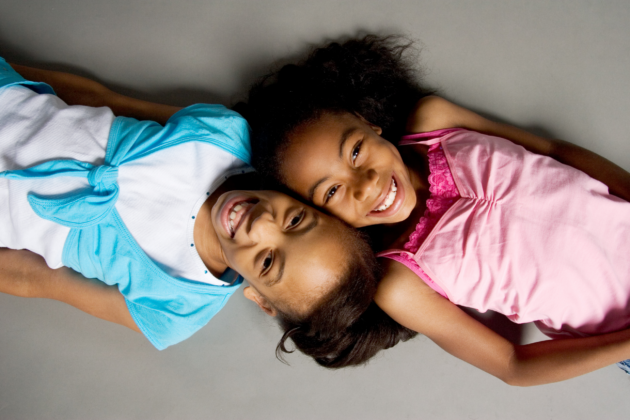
x=443 y=194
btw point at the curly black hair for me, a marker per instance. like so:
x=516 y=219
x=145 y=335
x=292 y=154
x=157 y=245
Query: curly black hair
x=373 y=76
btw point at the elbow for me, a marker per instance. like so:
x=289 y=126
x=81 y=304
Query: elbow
x=516 y=380
x=509 y=376
x=516 y=373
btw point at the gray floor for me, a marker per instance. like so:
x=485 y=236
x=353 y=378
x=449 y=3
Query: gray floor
x=560 y=68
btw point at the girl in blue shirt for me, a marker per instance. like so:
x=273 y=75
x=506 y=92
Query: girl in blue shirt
x=295 y=258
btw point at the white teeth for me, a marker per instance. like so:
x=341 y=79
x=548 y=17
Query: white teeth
x=391 y=196
x=235 y=211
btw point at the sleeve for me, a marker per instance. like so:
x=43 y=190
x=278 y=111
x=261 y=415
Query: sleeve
x=168 y=320
x=167 y=310
x=9 y=77
x=231 y=131
x=131 y=139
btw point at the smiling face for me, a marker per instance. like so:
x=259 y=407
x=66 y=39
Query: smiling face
x=290 y=253
x=341 y=163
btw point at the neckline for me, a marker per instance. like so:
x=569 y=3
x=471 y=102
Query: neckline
x=190 y=228
x=443 y=194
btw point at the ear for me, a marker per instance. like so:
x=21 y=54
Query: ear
x=378 y=130
x=253 y=295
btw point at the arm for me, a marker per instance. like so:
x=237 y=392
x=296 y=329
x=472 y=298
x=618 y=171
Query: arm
x=77 y=90
x=413 y=304
x=434 y=113
x=23 y=273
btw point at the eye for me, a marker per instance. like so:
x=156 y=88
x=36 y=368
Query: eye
x=356 y=151
x=330 y=193
x=267 y=263
x=295 y=220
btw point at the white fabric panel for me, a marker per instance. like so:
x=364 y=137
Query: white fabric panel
x=159 y=193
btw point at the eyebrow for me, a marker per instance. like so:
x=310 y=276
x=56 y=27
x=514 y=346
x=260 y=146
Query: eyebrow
x=344 y=138
x=301 y=232
x=342 y=142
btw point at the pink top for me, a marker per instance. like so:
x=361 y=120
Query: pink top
x=521 y=234
x=443 y=194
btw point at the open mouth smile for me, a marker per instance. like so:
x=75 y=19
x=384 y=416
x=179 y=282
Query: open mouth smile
x=390 y=201
x=234 y=212
x=389 y=198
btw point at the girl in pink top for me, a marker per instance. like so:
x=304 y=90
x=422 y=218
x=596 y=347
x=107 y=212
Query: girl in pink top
x=485 y=222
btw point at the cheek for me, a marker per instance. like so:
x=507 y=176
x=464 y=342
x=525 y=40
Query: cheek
x=236 y=260
x=342 y=207
x=392 y=154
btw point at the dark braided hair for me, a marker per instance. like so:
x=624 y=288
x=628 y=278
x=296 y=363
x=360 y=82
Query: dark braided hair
x=372 y=77
x=347 y=328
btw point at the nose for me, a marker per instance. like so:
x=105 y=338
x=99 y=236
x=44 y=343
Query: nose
x=364 y=184
x=263 y=226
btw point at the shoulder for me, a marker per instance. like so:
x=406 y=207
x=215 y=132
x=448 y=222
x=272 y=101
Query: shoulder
x=400 y=286
x=432 y=113
x=436 y=113
x=213 y=115
x=217 y=124
x=409 y=301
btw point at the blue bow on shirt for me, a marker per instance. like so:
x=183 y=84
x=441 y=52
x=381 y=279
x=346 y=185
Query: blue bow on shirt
x=80 y=209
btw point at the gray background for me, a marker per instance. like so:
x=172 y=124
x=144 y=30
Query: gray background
x=557 y=67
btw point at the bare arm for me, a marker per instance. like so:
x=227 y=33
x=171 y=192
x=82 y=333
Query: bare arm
x=433 y=113
x=413 y=304
x=23 y=273
x=77 y=90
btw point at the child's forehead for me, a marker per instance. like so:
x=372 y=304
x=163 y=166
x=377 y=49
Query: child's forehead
x=316 y=264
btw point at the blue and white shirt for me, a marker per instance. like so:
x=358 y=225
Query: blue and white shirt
x=116 y=198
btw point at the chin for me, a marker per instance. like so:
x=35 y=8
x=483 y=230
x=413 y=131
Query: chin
x=403 y=214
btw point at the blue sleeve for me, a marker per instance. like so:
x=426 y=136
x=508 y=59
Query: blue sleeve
x=131 y=139
x=9 y=77
x=167 y=320
x=168 y=313
x=206 y=120
x=167 y=310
